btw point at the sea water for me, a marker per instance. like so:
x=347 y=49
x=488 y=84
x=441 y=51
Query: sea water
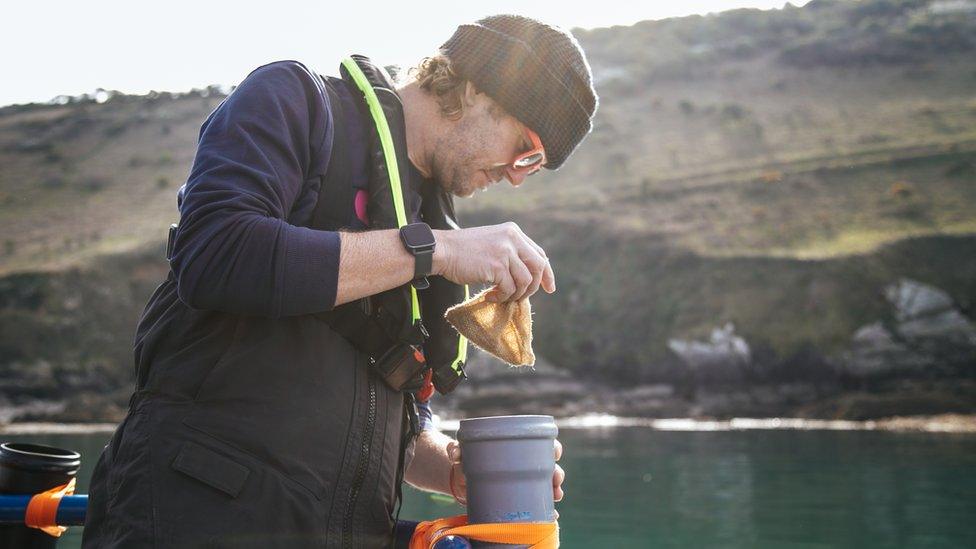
x=708 y=484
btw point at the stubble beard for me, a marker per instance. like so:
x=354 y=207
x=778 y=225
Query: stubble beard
x=452 y=176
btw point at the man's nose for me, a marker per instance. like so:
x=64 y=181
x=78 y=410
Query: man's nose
x=515 y=177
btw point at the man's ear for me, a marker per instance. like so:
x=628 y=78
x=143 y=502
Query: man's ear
x=470 y=94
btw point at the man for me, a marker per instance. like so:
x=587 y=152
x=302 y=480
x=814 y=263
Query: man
x=254 y=422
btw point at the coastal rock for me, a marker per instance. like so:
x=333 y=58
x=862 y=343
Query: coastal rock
x=654 y=391
x=755 y=401
x=927 y=312
x=913 y=299
x=929 y=335
x=495 y=388
x=875 y=351
x=653 y=400
x=36 y=408
x=724 y=357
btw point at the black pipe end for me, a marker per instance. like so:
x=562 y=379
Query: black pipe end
x=39 y=458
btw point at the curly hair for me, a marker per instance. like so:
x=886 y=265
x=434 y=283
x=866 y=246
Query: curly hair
x=436 y=76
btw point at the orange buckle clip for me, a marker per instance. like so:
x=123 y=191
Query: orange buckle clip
x=427 y=391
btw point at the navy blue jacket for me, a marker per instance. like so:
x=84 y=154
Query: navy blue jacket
x=254 y=423
x=243 y=245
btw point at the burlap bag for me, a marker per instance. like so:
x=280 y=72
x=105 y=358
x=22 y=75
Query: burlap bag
x=502 y=329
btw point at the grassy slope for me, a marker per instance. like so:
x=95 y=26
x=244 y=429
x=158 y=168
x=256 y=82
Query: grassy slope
x=730 y=186
x=756 y=157
x=708 y=135
x=79 y=181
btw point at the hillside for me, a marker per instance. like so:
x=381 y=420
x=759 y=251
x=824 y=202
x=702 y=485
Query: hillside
x=776 y=178
x=86 y=179
x=723 y=135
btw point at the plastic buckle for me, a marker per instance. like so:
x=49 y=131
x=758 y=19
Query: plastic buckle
x=427 y=391
x=170 y=241
x=420 y=283
x=446 y=379
x=413 y=413
x=418 y=334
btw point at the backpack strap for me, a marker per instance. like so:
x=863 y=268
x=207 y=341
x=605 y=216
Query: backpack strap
x=366 y=326
x=335 y=205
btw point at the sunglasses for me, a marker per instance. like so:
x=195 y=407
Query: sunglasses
x=531 y=161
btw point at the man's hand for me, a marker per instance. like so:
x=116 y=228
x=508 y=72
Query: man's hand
x=459 y=486
x=496 y=254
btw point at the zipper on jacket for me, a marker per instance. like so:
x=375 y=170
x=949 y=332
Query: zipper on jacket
x=363 y=465
x=411 y=428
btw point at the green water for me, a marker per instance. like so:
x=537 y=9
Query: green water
x=635 y=487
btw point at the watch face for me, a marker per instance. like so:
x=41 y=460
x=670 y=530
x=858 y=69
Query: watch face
x=417 y=235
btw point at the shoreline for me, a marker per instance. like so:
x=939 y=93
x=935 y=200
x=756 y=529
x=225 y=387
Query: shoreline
x=942 y=423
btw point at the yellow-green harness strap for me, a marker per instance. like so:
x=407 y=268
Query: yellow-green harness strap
x=389 y=153
x=393 y=168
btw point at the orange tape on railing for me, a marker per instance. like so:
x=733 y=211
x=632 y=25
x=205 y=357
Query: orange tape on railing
x=42 y=511
x=537 y=535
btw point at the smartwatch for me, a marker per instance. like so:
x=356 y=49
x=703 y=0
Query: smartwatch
x=419 y=241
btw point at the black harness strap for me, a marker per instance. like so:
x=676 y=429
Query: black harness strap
x=381 y=326
x=337 y=194
x=366 y=329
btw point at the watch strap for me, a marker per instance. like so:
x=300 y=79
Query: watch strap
x=423 y=262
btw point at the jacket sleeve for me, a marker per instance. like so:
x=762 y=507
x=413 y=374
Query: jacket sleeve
x=234 y=251
x=426 y=416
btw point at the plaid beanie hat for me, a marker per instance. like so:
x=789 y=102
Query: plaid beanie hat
x=536 y=72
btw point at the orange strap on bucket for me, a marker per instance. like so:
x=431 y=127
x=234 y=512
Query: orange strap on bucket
x=42 y=511
x=537 y=535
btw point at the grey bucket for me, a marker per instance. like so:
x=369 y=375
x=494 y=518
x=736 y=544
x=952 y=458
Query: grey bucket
x=508 y=462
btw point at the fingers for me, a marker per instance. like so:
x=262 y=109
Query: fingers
x=512 y=282
x=529 y=267
x=558 y=477
x=536 y=266
x=504 y=285
x=458 y=484
x=548 y=279
x=537 y=262
x=512 y=262
x=522 y=278
x=454 y=451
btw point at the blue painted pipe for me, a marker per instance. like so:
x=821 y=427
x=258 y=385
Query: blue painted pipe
x=12 y=509
x=453 y=542
x=72 y=511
